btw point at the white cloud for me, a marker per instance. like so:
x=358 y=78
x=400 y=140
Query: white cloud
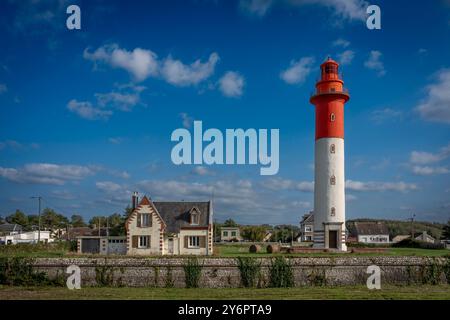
x=256 y=7
x=374 y=63
x=15 y=145
x=427 y=170
x=3 y=88
x=87 y=111
x=232 y=84
x=346 y=57
x=140 y=63
x=116 y=140
x=118 y=100
x=108 y=186
x=287 y=184
x=380 y=186
x=46 y=173
x=177 y=73
x=342 y=9
x=350 y=197
x=420 y=157
x=202 y=171
x=436 y=106
x=298 y=70
x=381 y=115
x=187 y=120
x=341 y=43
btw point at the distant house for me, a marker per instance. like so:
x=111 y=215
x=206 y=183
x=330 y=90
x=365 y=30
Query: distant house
x=230 y=234
x=306 y=228
x=170 y=228
x=27 y=237
x=425 y=237
x=371 y=232
x=10 y=228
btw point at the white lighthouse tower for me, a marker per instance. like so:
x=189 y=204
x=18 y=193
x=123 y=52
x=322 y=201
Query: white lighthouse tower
x=329 y=189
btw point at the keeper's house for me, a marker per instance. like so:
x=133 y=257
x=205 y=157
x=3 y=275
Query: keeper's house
x=169 y=228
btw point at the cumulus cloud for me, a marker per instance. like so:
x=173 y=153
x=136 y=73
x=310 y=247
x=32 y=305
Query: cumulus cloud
x=343 y=9
x=108 y=186
x=86 y=110
x=436 y=105
x=380 y=186
x=255 y=7
x=298 y=71
x=287 y=184
x=341 y=43
x=46 y=173
x=177 y=73
x=202 y=171
x=140 y=63
x=346 y=57
x=374 y=63
x=16 y=145
x=422 y=162
x=232 y=84
x=127 y=97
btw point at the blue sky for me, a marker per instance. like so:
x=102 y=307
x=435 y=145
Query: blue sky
x=86 y=115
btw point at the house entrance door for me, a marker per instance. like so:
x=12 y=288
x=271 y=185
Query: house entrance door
x=332 y=239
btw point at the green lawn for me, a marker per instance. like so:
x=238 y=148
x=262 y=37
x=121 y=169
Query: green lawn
x=235 y=250
x=232 y=250
x=302 y=293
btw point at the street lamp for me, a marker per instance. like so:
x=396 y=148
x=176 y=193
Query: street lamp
x=39 y=217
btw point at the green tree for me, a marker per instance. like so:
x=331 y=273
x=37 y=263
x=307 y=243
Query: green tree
x=77 y=221
x=51 y=220
x=253 y=233
x=230 y=223
x=117 y=224
x=20 y=218
x=446 y=231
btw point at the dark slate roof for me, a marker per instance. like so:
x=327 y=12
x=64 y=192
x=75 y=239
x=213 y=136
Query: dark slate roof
x=176 y=214
x=10 y=227
x=308 y=218
x=371 y=228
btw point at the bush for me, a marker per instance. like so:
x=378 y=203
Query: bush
x=250 y=270
x=367 y=245
x=408 y=243
x=20 y=272
x=192 y=272
x=281 y=275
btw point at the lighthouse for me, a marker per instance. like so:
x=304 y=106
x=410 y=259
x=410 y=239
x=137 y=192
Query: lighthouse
x=329 y=99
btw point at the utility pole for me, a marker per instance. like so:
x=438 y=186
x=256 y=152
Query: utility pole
x=39 y=217
x=412 y=226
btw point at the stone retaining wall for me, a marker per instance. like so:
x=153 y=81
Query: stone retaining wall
x=224 y=272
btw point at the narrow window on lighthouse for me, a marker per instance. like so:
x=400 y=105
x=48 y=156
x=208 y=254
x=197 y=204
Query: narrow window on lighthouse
x=333 y=180
x=333 y=211
x=332 y=148
x=332 y=117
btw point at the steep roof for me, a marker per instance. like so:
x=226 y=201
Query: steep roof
x=176 y=214
x=10 y=227
x=371 y=228
x=307 y=218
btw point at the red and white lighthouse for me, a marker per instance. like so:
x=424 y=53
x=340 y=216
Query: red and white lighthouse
x=329 y=188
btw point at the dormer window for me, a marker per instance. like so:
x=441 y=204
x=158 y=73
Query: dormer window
x=195 y=217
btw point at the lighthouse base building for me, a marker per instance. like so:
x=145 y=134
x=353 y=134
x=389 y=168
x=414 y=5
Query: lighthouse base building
x=329 y=186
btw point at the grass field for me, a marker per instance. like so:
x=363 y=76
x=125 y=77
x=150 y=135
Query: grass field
x=228 y=250
x=303 y=293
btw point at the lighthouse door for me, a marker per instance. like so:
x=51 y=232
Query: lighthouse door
x=332 y=239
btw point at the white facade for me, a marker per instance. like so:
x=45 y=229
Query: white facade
x=329 y=193
x=373 y=238
x=27 y=237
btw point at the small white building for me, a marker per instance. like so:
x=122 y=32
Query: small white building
x=230 y=234
x=27 y=237
x=372 y=232
x=307 y=228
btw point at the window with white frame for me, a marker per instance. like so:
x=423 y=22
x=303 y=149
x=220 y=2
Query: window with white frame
x=144 y=242
x=332 y=117
x=225 y=233
x=146 y=220
x=194 y=217
x=194 y=242
x=308 y=229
